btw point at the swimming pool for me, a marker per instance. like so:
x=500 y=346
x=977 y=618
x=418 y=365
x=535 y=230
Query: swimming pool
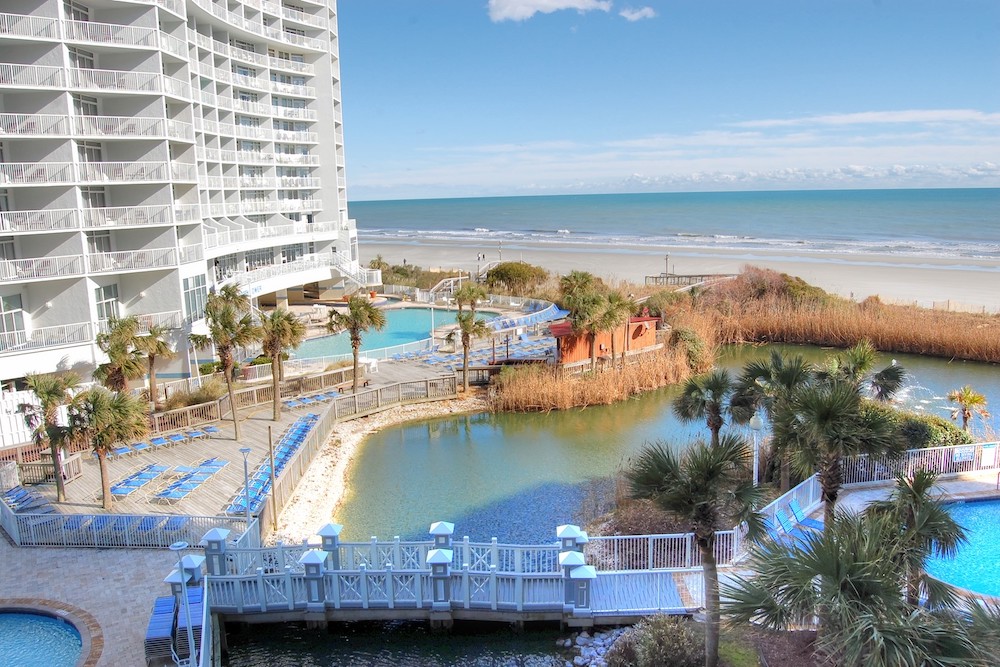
x=403 y=325
x=38 y=640
x=975 y=566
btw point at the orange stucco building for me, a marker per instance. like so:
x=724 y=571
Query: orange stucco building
x=573 y=347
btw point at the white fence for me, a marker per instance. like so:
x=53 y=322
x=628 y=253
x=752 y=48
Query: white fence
x=945 y=461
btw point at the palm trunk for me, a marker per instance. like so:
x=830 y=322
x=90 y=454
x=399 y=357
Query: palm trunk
x=711 y=573
x=102 y=458
x=276 y=384
x=465 y=365
x=613 y=352
x=593 y=352
x=152 y=381
x=356 y=349
x=829 y=481
x=786 y=473
x=228 y=372
x=57 y=471
x=913 y=589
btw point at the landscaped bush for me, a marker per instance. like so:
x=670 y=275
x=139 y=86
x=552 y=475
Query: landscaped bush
x=515 y=277
x=692 y=345
x=209 y=367
x=659 y=641
x=210 y=391
x=921 y=430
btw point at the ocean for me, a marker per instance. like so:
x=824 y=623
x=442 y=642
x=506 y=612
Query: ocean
x=941 y=223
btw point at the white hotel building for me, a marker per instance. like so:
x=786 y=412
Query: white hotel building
x=151 y=150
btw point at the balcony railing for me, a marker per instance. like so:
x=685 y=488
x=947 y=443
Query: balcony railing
x=116 y=80
x=191 y=253
x=19 y=25
x=42 y=337
x=31 y=76
x=293 y=112
x=131 y=260
x=127 y=216
x=170 y=319
x=124 y=126
x=304 y=263
x=40 y=173
x=124 y=172
x=110 y=33
x=33 y=124
x=16 y=270
x=38 y=221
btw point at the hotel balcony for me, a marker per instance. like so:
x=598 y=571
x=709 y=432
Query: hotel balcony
x=50 y=220
x=108 y=80
x=131 y=260
x=306 y=269
x=41 y=27
x=170 y=319
x=61 y=266
x=36 y=173
x=273 y=234
x=32 y=76
x=18 y=342
x=256 y=27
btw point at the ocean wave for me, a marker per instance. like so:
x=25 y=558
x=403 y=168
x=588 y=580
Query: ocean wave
x=691 y=240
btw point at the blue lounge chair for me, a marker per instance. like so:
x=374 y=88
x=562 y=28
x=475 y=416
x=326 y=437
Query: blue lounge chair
x=139 y=447
x=159 y=632
x=801 y=518
x=196 y=434
x=176 y=438
x=159 y=442
x=119 y=452
x=148 y=524
x=787 y=527
x=211 y=430
x=293 y=404
x=175 y=524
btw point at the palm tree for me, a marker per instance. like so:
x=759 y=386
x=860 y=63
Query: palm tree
x=378 y=263
x=926 y=529
x=587 y=317
x=230 y=326
x=618 y=308
x=856 y=364
x=280 y=331
x=705 y=397
x=359 y=317
x=822 y=424
x=106 y=419
x=707 y=488
x=970 y=402
x=471 y=294
x=766 y=385
x=848 y=580
x=125 y=361
x=575 y=283
x=51 y=392
x=468 y=328
x=154 y=345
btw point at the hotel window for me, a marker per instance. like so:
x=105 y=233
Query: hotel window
x=76 y=11
x=99 y=241
x=248 y=121
x=246 y=96
x=4 y=200
x=259 y=258
x=251 y=172
x=295 y=31
x=80 y=58
x=244 y=70
x=85 y=105
x=94 y=197
x=88 y=151
x=240 y=44
x=290 y=253
x=11 y=321
x=195 y=296
x=248 y=146
x=106 y=299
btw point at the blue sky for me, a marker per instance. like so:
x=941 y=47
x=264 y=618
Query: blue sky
x=454 y=98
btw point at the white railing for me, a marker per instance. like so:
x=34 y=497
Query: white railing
x=42 y=337
x=110 y=33
x=296 y=113
x=39 y=173
x=123 y=126
x=382 y=353
x=29 y=26
x=36 y=221
x=300 y=17
x=32 y=124
x=351 y=269
x=146 y=82
x=110 y=531
x=45 y=267
x=945 y=461
x=170 y=319
x=131 y=260
x=127 y=216
x=295 y=158
x=652 y=552
x=642 y=593
x=123 y=172
x=206 y=646
x=191 y=253
x=304 y=263
x=28 y=76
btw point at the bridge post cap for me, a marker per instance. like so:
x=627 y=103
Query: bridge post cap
x=313 y=557
x=330 y=530
x=568 y=530
x=583 y=537
x=442 y=528
x=192 y=562
x=440 y=557
x=175 y=577
x=215 y=535
x=571 y=559
x=584 y=572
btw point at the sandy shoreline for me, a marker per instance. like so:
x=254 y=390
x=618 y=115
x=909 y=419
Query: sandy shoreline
x=320 y=491
x=921 y=280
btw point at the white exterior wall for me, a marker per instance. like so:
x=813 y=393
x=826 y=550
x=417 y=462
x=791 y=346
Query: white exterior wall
x=184 y=191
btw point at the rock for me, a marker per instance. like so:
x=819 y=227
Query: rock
x=582 y=641
x=568 y=643
x=579 y=661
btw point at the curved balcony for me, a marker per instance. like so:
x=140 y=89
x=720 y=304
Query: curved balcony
x=123 y=81
x=308 y=268
x=257 y=28
x=32 y=76
x=35 y=27
x=132 y=127
x=21 y=124
x=36 y=173
x=61 y=266
x=273 y=234
x=39 y=221
x=131 y=172
x=68 y=219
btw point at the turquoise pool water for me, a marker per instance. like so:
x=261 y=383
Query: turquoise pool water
x=403 y=325
x=36 y=640
x=975 y=566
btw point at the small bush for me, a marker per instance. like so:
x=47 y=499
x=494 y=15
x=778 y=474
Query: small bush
x=517 y=277
x=212 y=390
x=659 y=641
x=692 y=345
x=210 y=367
x=921 y=430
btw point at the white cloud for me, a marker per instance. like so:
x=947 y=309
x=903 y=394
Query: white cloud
x=873 y=117
x=633 y=15
x=521 y=10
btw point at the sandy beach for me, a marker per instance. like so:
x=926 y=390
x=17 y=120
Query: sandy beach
x=928 y=282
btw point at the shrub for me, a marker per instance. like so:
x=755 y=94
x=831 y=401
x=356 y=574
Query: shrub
x=210 y=391
x=209 y=367
x=517 y=277
x=692 y=345
x=921 y=430
x=659 y=641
